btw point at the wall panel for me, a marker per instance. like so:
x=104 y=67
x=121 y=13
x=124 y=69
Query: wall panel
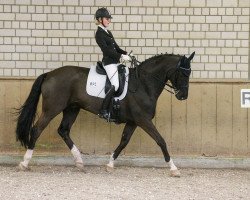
x=240 y=124
x=209 y=119
x=210 y=123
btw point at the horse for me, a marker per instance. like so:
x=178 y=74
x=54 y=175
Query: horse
x=64 y=90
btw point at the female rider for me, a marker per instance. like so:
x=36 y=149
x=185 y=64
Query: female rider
x=112 y=54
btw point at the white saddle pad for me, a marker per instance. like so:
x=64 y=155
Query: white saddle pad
x=96 y=84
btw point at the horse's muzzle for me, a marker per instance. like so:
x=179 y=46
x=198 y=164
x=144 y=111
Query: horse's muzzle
x=180 y=95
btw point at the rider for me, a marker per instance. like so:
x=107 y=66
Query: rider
x=112 y=54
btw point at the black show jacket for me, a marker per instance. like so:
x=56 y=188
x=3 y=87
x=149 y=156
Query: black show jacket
x=111 y=51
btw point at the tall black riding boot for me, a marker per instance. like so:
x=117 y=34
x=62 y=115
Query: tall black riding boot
x=104 y=112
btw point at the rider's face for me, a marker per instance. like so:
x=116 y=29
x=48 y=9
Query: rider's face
x=106 y=21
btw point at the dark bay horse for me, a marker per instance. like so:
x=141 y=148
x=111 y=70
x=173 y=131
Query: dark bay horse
x=64 y=90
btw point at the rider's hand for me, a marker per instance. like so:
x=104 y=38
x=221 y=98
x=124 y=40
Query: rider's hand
x=125 y=58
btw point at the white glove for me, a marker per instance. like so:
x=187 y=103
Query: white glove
x=125 y=58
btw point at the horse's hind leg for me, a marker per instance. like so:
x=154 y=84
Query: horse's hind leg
x=69 y=116
x=36 y=131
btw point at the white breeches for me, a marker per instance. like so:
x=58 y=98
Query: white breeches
x=112 y=72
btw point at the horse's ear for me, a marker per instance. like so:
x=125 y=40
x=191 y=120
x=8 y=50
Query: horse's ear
x=183 y=59
x=191 y=56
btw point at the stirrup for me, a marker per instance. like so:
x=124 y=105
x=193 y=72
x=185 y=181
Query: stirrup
x=104 y=115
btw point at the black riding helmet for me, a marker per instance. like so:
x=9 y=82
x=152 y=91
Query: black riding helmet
x=102 y=12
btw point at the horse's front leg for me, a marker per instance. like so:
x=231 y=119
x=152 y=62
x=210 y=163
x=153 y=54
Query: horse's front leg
x=126 y=135
x=149 y=128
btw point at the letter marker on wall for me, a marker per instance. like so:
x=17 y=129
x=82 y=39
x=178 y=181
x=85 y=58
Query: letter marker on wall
x=245 y=98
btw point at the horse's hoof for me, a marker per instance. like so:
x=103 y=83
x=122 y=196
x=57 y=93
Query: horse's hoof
x=80 y=167
x=175 y=173
x=109 y=168
x=21 y=167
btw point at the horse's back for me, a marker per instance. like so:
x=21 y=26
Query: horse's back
x=63 y=80
x=68 y=71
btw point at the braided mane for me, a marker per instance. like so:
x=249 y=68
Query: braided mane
x=156 y=57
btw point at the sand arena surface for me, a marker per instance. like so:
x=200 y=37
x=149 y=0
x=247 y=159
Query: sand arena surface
x=59 y=182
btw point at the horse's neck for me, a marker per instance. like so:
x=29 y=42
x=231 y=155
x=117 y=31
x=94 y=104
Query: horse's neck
x=153 y=83
x=157 y=75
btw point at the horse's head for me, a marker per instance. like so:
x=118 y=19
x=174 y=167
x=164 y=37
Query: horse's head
x=180 y=81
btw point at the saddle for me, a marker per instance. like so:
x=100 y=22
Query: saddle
x=98 y=85
x=121 y=74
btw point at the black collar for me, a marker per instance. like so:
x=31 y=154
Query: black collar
x=109 y=33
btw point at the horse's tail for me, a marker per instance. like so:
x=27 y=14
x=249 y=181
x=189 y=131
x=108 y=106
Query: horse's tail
x=27 y=112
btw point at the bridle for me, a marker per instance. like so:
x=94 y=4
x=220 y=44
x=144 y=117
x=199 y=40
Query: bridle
x=184 y=71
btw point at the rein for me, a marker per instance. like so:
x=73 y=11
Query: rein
x=166 y=84
x=135 y=64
